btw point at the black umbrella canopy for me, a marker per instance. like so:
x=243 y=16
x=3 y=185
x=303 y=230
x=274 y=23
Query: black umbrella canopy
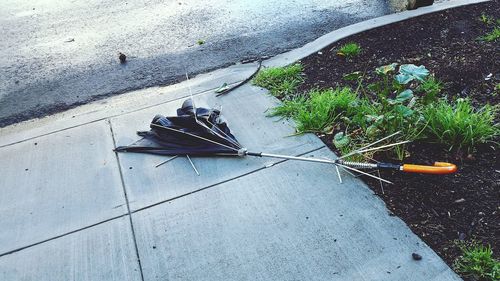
x=194 y=131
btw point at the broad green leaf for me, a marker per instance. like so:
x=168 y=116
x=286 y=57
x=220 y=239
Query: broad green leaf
x=341 y=140
x=383 y=70
x=404 y=79
x=404 y=95
x=392 y=102
x=417 y=72
x=328 y=130
x=403 y=110
x=372 y=131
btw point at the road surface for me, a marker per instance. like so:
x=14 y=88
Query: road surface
x=58 y=54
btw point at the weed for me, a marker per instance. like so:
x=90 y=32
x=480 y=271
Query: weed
x=459 y=125
x=393 y=115
x=411 y=72
x=404 y=99
x=396 y=107
x=492 y=36
x=477 y=261
x=280 y=81
x=200 y=42
x=486 y=19
x=346 y=144
x=323 y=108
x=289 y=108
x=349 y=50
x=320 y=110
x=430 y=89
x=394 y=110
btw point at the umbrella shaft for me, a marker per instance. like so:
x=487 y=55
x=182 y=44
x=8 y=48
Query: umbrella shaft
x=269 y=155
x=357 y=165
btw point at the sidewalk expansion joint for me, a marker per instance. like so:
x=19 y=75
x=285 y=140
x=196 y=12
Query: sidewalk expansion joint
x=224 y=181
x=127 y=201
x=61 y=235
x=129 y=212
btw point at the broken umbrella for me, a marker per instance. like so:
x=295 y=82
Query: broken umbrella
x=204 y=132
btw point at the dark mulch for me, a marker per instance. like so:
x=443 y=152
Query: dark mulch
x=440 y=209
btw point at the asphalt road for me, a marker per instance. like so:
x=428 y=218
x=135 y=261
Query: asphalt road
x=58 y=54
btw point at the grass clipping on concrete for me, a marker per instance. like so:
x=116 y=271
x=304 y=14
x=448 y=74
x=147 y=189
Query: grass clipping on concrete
x=281 y=82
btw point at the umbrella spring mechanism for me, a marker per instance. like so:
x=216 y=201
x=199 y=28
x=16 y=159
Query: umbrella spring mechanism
x=357 y=165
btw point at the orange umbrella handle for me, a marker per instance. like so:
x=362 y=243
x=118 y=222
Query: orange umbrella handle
x=439 y=168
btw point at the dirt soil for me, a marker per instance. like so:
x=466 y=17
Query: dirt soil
x=439 y=209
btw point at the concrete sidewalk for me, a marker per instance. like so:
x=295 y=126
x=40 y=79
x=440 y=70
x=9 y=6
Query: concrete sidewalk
x=72 y=209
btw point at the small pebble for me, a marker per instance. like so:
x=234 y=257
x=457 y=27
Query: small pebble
x=122 y=57
x=416 y=256
x=461 y=236
x=130 y=168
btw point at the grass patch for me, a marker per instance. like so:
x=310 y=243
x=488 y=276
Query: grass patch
x=486 y=19
x=430 y=89
x=459 y=125
x=492 y=36
x=349 y=50
x=477 y=261
x=489 y=21
x=404 y=98
x=319 y=111
x=281 y=82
